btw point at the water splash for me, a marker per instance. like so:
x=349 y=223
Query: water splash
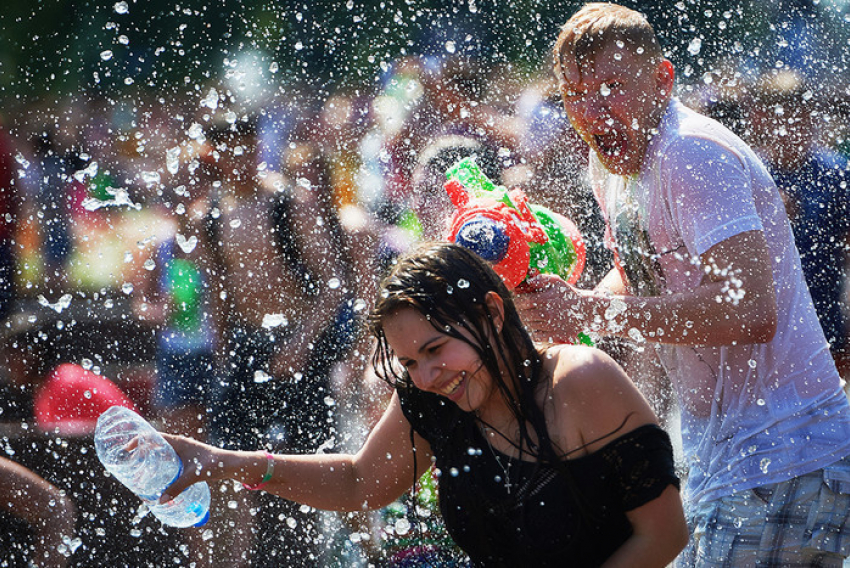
x=274 y=320
x=261 y=376
x=186 y=245
x=58 y=307
x=120 y=198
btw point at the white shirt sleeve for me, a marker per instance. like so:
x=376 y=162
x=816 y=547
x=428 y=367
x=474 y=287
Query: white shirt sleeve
x=709 y=191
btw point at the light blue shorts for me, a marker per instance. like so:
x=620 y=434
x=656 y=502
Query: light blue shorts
x=802 y=522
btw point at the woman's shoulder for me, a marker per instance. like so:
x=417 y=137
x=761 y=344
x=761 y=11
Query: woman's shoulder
x=579 y=367
x=592 y=396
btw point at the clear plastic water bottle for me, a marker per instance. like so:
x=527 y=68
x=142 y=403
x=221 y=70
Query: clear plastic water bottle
x=149 y=467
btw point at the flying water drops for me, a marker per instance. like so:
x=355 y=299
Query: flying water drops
x=274 y=320
x=186 y=245
x=59 y=306
x=695 y=46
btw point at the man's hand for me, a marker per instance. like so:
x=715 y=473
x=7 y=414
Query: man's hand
x=551 y=309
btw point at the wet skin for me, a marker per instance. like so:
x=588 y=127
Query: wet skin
x=615 y=102
x=439 y=363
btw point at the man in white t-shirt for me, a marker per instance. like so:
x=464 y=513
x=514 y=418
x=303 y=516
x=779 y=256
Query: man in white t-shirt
x=707 y=270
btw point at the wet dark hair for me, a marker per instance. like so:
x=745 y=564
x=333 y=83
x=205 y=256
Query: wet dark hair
x=448 y=284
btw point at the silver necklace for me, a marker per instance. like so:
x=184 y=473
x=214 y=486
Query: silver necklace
x=505 y=470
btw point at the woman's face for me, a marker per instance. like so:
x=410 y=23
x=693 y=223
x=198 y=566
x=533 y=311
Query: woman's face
x=437 y=362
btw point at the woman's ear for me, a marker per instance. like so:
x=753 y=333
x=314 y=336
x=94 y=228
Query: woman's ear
x=496 y=306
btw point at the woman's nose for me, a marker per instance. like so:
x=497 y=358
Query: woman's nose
x=428 y=374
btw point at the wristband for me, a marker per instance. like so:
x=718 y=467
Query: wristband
x=266 y=477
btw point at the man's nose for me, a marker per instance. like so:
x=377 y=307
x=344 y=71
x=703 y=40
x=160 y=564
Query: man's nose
x=595 y=107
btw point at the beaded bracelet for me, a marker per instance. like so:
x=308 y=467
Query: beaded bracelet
x=266 y=477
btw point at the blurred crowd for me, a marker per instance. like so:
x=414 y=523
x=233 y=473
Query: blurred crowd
x=247 y=239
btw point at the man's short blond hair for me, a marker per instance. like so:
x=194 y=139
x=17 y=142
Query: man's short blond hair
x=597 y=25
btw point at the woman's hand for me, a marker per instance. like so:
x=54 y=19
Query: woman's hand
x=201 y=462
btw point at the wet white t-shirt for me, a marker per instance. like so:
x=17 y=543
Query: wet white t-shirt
x=752 y=414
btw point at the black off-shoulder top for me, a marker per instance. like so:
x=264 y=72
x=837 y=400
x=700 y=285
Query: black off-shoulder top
x=572 y=513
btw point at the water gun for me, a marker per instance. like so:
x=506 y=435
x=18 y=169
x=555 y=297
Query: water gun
x=519 y=239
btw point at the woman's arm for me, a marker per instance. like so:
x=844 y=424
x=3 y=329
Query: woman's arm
x=374 y=477
x=660 y=533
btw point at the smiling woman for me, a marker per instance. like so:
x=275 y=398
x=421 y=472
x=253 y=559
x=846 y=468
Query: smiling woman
x=542 y=453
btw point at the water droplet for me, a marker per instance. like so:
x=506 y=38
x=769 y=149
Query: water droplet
x=186 y=245
x=604 y=89
x=261 y=376
x=149 y=264
x=450 y=46
x=195 y=132
x=761 y=402
x=402 y=526
x=106 y=55
x=765 y=463
x=463 y=283
x=172 y=159
x=274 y=320
x=334 y=283
x=752 y=363
x=121 y=7
x=636 y=336
x=87 y=393
x=329 y=401
x=150 y=177
x=60 y=304
x=87 y=364
x=210 y=101
x=695 y=46
x=291 y=522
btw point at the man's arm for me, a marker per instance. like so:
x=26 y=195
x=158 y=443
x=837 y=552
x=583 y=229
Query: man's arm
x=734 y=303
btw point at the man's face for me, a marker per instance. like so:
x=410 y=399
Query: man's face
x=615 y=102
